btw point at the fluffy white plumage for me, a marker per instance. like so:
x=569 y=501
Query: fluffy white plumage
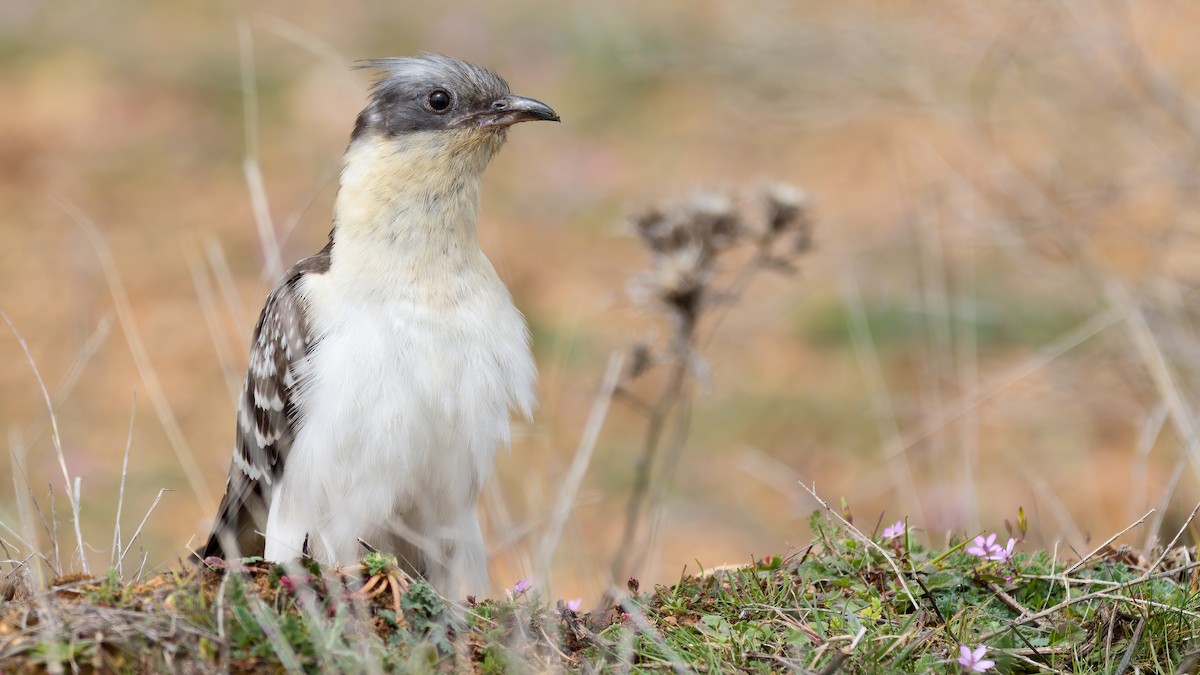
x=420 y=355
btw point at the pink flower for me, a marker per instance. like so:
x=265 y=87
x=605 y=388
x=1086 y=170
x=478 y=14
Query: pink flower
x=989 y=549
x=575 y=604
x=973 y=661
x=984 y=548
x=520 y=587
x=1003 y=553
x=895 y=530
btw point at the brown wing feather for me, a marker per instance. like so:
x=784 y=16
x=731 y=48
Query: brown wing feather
x=266 y=416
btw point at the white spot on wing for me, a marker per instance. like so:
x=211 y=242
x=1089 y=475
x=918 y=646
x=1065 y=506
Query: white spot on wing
x=251 y=471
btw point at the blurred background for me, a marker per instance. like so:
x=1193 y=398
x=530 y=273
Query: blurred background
x=999 y=311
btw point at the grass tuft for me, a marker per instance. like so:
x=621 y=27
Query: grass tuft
x=835 y=605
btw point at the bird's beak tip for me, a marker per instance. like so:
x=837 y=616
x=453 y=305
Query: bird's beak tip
x=513 y=109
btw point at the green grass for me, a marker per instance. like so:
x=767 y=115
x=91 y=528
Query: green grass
x=836 y=605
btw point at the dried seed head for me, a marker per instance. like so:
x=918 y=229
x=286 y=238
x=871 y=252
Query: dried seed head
x=650 y=227
x=683 y=240
x=686 y=238
x=706 y=219
x=788 y=211
x=714 y=222
x=680 y=278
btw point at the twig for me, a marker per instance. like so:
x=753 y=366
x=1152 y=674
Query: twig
x=1030 y=618
x=138 y=531
x=1108 y=635
x=569 y=489
x=1007 y=599
x=142 y=567
x=1167 y=549
x=1110 y=540
x=674 y=450
x=1141 y=602
x=866 y=540
x=642 y=472
x=1036 y=664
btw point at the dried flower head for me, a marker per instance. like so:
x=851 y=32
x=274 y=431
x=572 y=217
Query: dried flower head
x=654 y=230
x=788 y=212
x=684 y=240
x=715 y=223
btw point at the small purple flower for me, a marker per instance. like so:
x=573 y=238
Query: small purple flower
x=1003 y=553
x=521 y=587
x=990 y=550
x=575 y=604
x=893 y=531
x=984 y=548
x=973 y=661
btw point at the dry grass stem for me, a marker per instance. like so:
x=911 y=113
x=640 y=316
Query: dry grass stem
x=115 y=559
x=251 y=169
x=141 y=357
x=72 y=489
x=569 y=489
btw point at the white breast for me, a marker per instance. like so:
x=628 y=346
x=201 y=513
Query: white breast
x=403 y=405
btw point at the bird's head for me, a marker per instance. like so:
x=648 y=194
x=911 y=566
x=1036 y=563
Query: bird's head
x=436 y=109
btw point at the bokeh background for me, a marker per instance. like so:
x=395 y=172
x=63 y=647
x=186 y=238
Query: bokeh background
x=999 y=311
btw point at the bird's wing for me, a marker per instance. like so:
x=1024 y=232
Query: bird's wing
x=266 y=416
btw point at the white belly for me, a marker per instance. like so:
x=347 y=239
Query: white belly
x=402 y=408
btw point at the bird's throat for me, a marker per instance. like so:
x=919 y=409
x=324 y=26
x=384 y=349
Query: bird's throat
x=406 y=212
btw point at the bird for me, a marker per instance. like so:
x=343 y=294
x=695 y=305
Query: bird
x=384 y=370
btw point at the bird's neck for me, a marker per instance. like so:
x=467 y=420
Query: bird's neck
x=405 y=218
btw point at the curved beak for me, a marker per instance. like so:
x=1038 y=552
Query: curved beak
x=511 y=109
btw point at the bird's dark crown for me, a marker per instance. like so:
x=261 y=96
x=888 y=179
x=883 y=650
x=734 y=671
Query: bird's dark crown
x=410 y=95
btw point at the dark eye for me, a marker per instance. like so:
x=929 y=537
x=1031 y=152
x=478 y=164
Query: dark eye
x=439 y=100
